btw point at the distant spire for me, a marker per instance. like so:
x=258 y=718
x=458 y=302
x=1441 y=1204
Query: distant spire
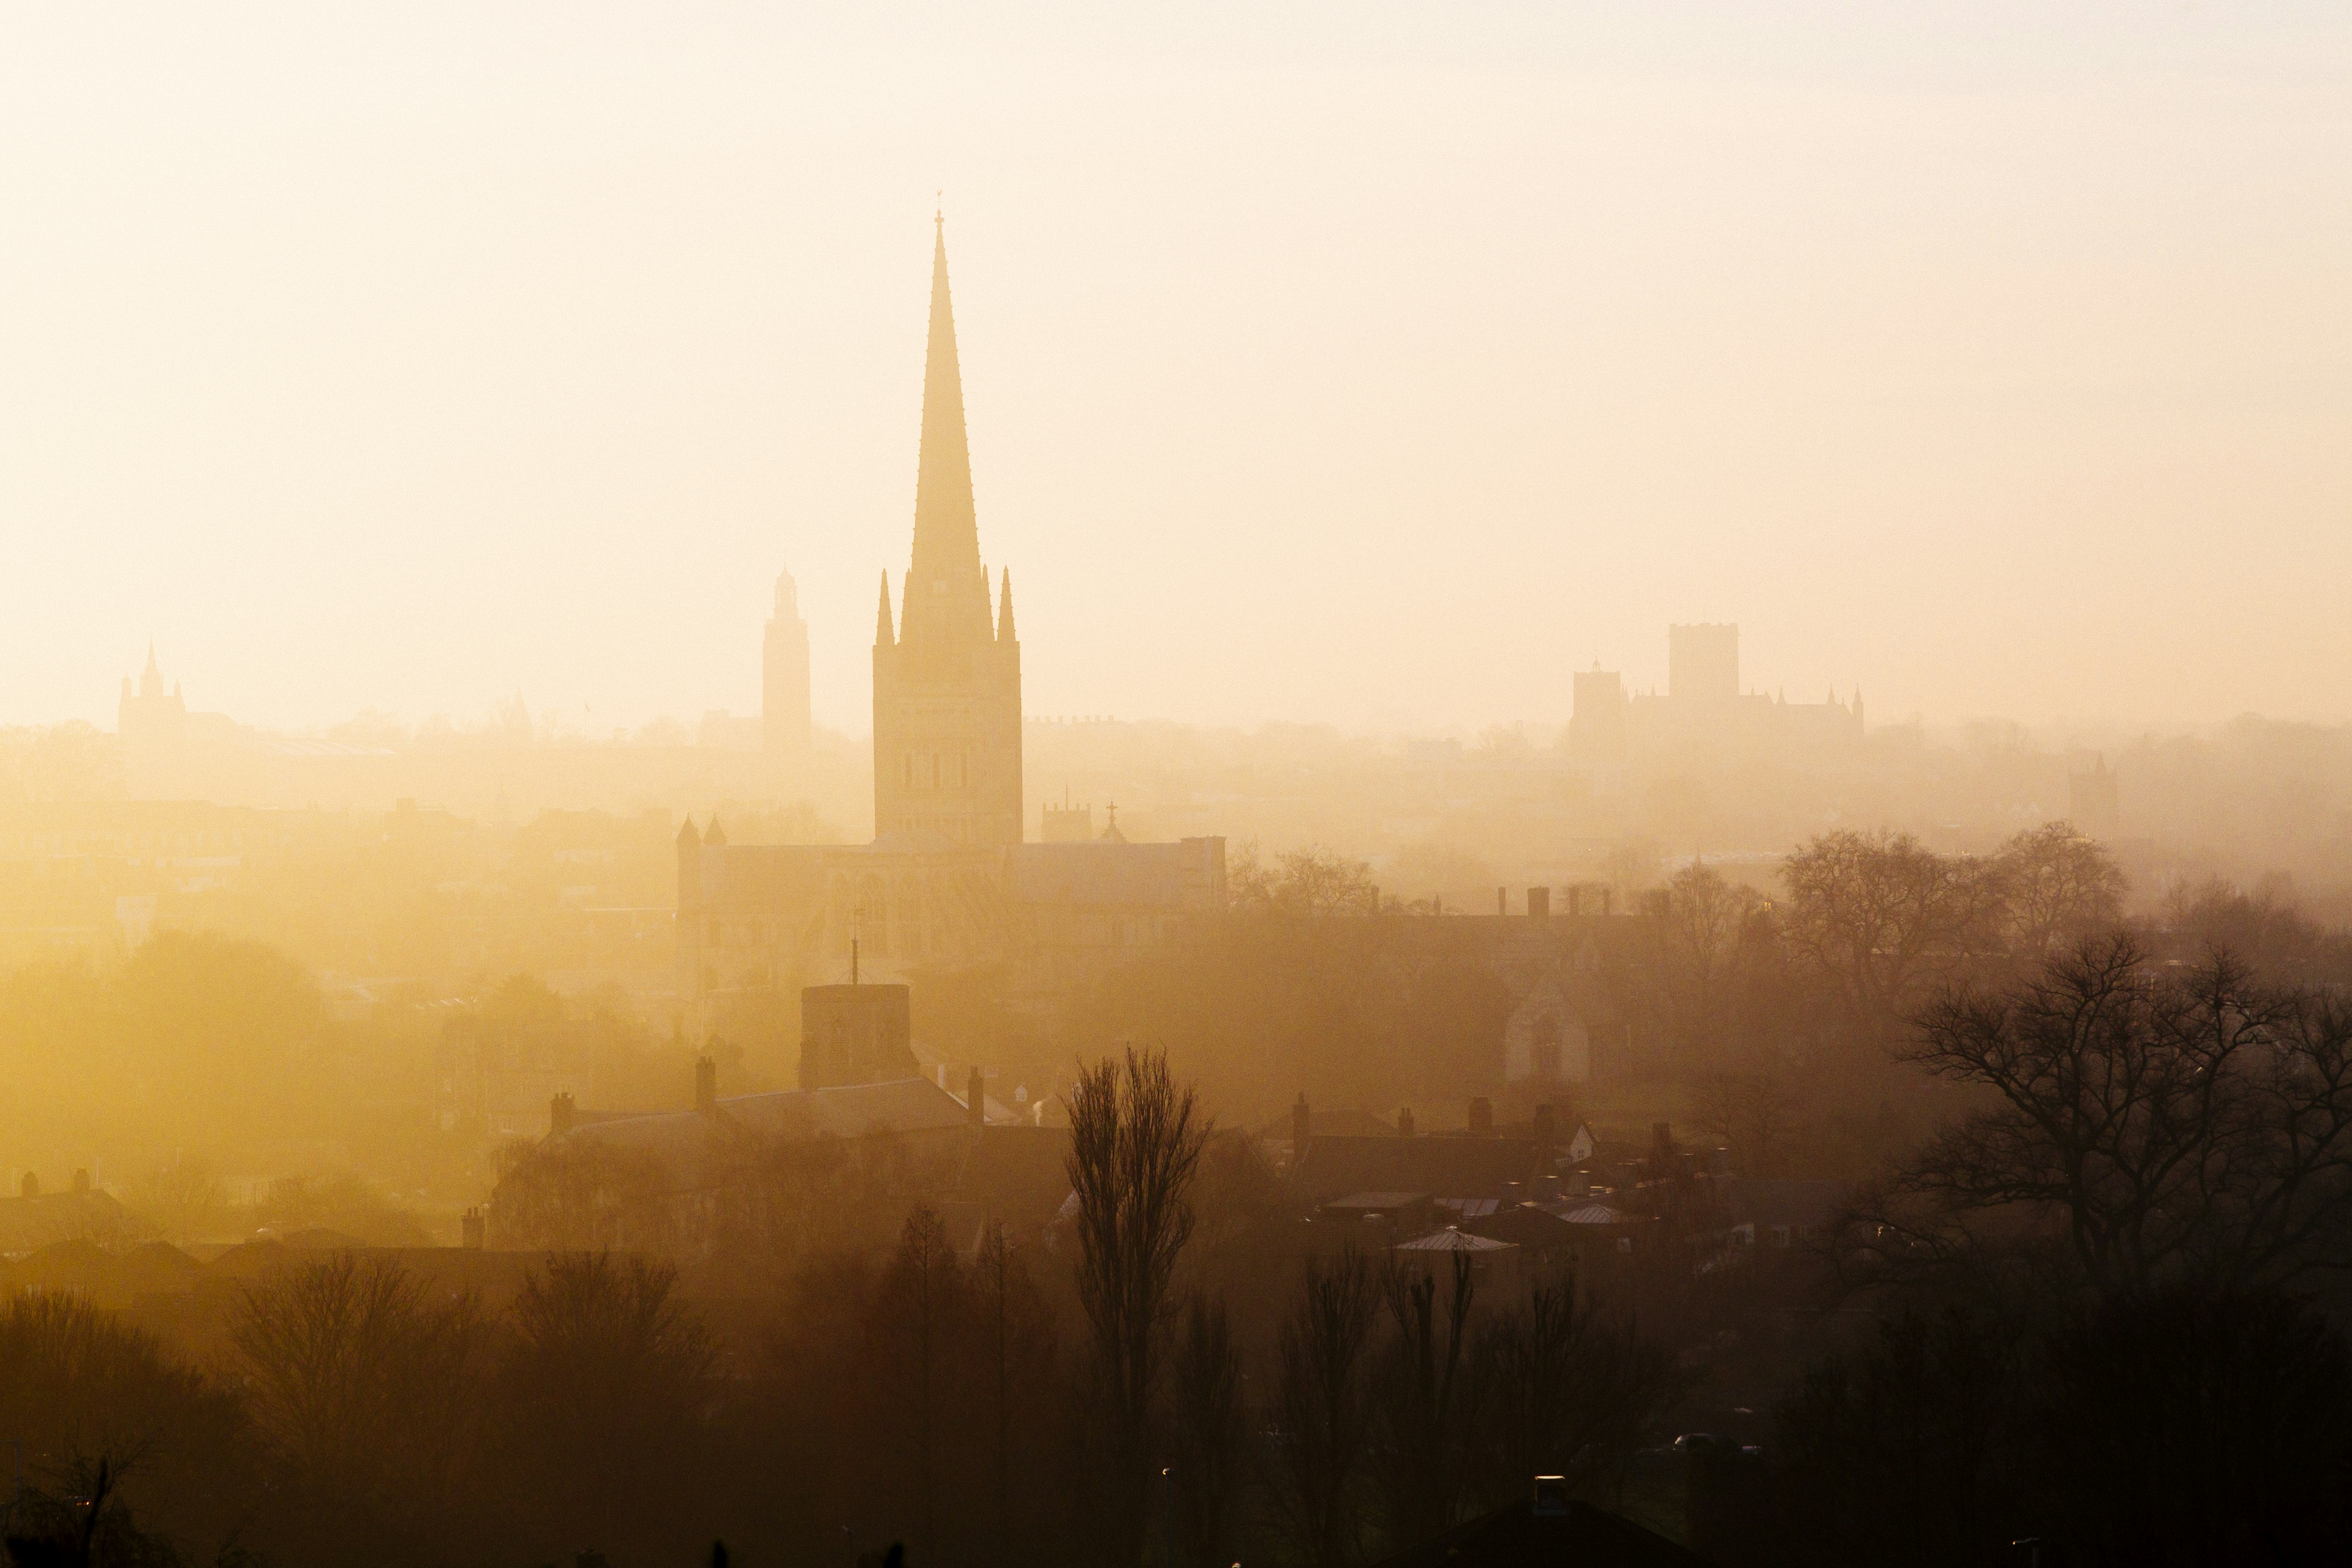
x=1004 y=611
x=717 y=838
x=946 y=594
x=883 y=636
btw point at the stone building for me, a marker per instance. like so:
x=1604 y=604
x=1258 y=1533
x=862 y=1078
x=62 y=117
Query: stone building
x=947 y=880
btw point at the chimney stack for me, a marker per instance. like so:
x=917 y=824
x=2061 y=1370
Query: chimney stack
x=1538 y=903
x=706 y=1085
x=1482 y=1117
x=30 y=1186
x=472 y=1229
x=558 y=1115
x=1301 y=1123
x=1404 y=1122
x=975 y=1099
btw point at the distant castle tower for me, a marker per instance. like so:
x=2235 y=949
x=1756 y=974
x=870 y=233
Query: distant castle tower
x=785 y=673
x=149 y=718
x=947 y=682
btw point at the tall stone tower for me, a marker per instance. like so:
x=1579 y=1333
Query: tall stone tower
x=947 y=682
x=785 y=673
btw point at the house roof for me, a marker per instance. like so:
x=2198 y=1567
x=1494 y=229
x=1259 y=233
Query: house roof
x=1338 y=1122
x=1018 y=1174
x=695 y=1148
x=1453 y=1240
x=1440 y=1165
x=1376 y=1201
x=1526 y=1225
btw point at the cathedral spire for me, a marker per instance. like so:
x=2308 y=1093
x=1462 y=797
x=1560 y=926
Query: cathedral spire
x=1004 y=611
x=883 y=636
x=940 y=582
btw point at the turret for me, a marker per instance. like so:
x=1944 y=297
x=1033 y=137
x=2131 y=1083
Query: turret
x=1004 y=610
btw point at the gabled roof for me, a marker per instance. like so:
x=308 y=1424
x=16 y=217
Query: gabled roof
x=1441 y=1165
x=1018 y=1174
x=1451 y=1240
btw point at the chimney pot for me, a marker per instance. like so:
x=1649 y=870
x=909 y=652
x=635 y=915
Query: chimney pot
x=472 y=1228
x=1404 y=1122
x=558 y=1115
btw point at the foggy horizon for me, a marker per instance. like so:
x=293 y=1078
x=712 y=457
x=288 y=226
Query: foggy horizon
x=1599 y=809
x=436 y=366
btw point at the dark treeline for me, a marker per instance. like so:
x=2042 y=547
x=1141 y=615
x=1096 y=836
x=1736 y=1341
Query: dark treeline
x=2099 y=1290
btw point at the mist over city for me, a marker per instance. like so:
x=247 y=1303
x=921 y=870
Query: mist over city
x=1327 y=787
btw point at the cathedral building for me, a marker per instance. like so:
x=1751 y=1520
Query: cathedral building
x=947 y=880
x=1703 y=710
x=946 y=685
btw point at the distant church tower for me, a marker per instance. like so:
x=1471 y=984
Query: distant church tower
x=785 y=673
x=947 y=683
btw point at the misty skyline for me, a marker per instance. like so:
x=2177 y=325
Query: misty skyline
x=1318 y=367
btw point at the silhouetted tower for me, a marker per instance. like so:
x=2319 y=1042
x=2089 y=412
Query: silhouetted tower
x=1596 y=722
x=785 y=673
x=947 y=683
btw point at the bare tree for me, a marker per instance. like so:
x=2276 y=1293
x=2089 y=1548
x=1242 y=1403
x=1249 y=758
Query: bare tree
x=1569 y=1393
x=1881 y=917
x=609 y=1379
x=1313 y=883
x=1135 y=1144
x=360 y=1381
x=1426 y=1397
x=1751 y=1113
x=1208 y=1434
x=2198 y=1123
x=1323 y=1393
x=1690 y=946
x=2060 y=885
x=921 y=1300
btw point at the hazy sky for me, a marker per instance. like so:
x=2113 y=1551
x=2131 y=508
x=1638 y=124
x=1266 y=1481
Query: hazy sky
x=1371 y=362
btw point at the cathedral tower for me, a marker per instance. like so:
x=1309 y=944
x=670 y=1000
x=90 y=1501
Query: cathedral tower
x=947 y=681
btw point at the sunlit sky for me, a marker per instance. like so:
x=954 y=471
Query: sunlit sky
x=1366 y=362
